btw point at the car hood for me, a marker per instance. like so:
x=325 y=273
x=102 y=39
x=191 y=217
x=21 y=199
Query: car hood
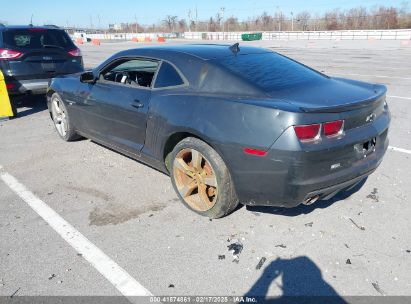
x=331 y=95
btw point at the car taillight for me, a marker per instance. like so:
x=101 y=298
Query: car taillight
x=333 y=128
x=307 y=132
x=6 y=54
x=75 y=53
x=9 y=86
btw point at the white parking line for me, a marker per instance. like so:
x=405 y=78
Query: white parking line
x=399 y=150
x=125 y=284
x=399 y=97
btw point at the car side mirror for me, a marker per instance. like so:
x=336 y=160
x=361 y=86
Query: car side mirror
x=87 y=77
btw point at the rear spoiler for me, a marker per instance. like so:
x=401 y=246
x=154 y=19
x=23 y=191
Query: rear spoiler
x=377 y=98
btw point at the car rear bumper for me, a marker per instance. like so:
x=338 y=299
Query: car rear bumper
x=329 y=192
x=289 y=175
x=32 y=86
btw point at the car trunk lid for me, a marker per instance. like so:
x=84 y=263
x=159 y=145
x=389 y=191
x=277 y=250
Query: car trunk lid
x=356 y=102
x=332 y=95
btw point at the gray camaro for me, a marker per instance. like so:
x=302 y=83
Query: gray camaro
x=230 y=124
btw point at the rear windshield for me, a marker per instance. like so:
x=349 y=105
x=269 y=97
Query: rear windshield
x=270 y=71
x=36 y=38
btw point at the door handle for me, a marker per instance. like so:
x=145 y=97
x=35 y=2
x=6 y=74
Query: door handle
x=137 y=104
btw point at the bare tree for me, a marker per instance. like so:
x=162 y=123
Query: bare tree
x=182 y=25
x=232 y=24
x=170 y=22
x=332 y=21
x=303 y=19
x=267 y=22
x=404 y=16
x=212 y=25
x=356 y=18
x=389 y=17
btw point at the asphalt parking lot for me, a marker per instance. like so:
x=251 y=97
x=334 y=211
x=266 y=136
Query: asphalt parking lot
x=353 y=245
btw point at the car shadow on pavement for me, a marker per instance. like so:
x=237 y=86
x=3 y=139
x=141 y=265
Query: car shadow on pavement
x=29 y=104
x=304 y=209
x=301 y=282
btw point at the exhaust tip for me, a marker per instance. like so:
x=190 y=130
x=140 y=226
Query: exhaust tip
x=311 y=200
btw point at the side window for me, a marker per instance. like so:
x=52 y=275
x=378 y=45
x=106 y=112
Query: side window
x=134 y=72
x=168 y=76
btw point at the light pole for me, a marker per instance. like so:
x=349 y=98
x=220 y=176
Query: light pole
x=196 y=28
x=292 y=21
x=222 y=19
x=279 y=19
x=189 y=20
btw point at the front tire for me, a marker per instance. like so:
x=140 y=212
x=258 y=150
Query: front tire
x=61 y=119
x=201 y=179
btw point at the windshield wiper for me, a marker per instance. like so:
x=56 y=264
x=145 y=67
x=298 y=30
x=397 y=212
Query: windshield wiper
x=53 y=46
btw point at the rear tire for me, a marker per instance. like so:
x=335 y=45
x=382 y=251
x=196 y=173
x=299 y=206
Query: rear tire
x=13 y=108
x=201 y=179
x=61 y=119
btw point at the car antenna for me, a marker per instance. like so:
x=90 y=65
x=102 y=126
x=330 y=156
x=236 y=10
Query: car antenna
x=235 y=48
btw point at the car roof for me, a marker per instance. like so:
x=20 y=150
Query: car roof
x=26 y=27
x=202 y=51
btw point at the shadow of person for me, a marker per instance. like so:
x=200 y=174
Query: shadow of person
x=304 y=209
x=302 y=282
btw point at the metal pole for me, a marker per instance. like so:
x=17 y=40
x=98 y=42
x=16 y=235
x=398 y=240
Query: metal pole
x=196 y=28
x=222 y=19
x=279 y=19
x=189 y=20
x=292 y=21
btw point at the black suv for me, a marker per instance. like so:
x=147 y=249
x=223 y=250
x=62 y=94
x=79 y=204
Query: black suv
x=31 y=55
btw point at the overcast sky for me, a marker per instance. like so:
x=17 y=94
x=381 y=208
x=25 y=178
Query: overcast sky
x=101 y=13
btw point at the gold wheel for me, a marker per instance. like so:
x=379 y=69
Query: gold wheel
x=195 y=179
